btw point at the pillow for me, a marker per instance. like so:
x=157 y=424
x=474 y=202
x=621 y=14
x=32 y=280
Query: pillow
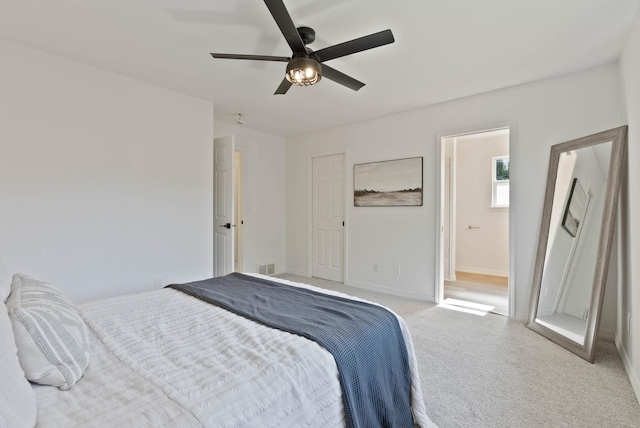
x=5 y=288
x=17 y=399
x=5 y=285
x=51 y=336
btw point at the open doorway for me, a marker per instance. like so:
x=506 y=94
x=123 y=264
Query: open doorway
x=474 y=220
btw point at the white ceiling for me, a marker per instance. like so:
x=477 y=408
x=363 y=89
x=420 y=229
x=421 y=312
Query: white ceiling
x=444 y=49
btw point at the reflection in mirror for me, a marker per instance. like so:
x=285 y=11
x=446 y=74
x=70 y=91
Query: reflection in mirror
x=575 y=239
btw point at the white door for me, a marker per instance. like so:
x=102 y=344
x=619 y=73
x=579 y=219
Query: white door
x=223 y=217
x=328 y=217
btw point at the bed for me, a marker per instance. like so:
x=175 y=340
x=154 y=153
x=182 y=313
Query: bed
x=167 y=358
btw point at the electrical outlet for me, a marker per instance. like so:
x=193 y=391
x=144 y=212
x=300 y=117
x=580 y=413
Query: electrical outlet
x=396 y=270
x=375 y=267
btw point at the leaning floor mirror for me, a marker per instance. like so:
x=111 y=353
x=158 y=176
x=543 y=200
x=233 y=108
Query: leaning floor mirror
x=576 y=235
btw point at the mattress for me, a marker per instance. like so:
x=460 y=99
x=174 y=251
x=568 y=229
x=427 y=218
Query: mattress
x=164 y=358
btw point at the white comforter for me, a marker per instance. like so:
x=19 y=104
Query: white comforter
x=164 y=358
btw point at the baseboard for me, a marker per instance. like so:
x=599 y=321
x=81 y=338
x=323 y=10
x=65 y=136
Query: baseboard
x=296 y=272
x=391 y=291
x=580 y=316
x=377 y=288
x=451 y=278
x=481 y=271
x=606 y=334
x=631 y=373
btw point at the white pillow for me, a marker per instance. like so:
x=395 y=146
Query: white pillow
x=17 y=399
x=5 y=289
x=51 y=336
x=5 y=285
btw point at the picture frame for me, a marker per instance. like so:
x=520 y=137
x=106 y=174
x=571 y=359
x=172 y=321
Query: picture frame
x=390 y=183
x=576 y=207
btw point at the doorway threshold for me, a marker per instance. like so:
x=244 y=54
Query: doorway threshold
x=492 y=295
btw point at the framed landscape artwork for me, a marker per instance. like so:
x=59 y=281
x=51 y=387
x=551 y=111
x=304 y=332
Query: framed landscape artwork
x=575 y=209
x=388 y=183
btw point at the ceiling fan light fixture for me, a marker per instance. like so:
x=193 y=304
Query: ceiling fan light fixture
x=304 y=65
x=303 y=71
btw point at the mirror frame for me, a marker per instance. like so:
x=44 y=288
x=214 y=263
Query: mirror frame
x=618 y=138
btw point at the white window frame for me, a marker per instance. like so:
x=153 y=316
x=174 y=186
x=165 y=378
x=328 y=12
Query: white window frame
x=495 y=182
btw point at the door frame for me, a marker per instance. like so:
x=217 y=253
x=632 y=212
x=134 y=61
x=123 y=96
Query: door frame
x=452 y=215
x=238 y=190
x=347 y=179
x=439 y=200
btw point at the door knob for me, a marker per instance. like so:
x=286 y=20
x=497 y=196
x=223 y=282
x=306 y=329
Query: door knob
x=228 y=225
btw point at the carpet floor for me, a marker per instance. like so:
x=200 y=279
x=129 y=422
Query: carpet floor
x=486 y=370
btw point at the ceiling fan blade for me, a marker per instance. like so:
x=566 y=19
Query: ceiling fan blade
x=341 y=78
x=283 y=19
x=356 y=45
x=283 y=88
x=252 y=57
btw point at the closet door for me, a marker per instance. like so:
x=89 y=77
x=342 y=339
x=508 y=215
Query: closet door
x=328 y=217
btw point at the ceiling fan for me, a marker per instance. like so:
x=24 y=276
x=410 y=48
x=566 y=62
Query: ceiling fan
x=305 y=67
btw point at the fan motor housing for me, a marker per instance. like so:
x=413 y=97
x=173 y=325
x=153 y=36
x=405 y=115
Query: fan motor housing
x=307 y=34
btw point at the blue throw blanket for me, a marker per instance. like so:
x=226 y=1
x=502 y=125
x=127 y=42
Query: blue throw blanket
x=364 y=339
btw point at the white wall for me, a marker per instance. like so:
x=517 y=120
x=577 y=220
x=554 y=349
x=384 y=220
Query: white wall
x=105 y=181
x=264 y=194
x=629 y=293
x=545 y=112
x=484 y=250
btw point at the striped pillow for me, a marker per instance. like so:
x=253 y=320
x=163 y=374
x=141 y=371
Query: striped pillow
x=51 y=336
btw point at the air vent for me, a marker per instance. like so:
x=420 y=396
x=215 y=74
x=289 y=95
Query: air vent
x=267 y=269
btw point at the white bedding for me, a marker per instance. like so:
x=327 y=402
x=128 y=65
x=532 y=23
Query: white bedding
x=178 y=361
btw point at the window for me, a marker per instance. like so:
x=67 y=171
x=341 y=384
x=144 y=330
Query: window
x=500 y=182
